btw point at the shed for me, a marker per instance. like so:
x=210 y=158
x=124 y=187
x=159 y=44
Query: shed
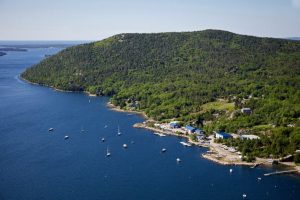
x=246 y=110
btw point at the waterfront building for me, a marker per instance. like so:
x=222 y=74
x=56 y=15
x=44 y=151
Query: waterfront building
x=222 y=135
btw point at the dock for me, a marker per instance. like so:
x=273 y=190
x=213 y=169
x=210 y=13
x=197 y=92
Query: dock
x=281 y=172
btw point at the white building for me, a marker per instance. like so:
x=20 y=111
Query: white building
x=246 y=110
x=250 y=137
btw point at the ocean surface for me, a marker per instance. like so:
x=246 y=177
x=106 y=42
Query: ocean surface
x=38 y=164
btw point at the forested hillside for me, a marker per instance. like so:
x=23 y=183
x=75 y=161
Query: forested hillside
x=175 y=75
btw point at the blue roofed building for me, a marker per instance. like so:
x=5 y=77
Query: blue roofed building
x=222 y=135
x=190 y=129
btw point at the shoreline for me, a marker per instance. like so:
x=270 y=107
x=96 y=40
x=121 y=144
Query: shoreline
x=211 y=155
x=213 y=152
x=57 y=89
x=207 y=156
x=118 y=109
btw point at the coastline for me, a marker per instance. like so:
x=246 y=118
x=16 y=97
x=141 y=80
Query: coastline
x=213 y=154
x=118 y=109
x=56 y=89
x=208 y=156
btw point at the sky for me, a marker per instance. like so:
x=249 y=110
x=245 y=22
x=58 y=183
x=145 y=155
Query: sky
x=98 y=19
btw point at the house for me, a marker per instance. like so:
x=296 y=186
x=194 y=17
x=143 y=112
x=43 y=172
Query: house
x=250 y=137
x=222 y=135
x=199 y=131
x=246 y=110
x=200 y=134
x=174 y=124
x=190 y=129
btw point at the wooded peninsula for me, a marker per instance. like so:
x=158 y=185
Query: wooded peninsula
x=214 y=80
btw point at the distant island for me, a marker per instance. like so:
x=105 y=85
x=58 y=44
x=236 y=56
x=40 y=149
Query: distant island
x=214 y=81
x=294 y=38
x=12 y=49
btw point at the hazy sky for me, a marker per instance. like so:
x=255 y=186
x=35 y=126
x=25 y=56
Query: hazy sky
x=97 y=19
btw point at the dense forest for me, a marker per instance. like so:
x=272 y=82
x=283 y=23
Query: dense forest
x=176 y=75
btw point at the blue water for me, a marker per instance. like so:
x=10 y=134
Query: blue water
x=37 y=164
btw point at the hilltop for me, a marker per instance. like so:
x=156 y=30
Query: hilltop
x=203 y=77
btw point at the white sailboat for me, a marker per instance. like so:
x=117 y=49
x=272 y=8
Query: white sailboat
x=107 y=152
x=119 y=132
x=125 y=146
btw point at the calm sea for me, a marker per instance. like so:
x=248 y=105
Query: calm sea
x=37 y=164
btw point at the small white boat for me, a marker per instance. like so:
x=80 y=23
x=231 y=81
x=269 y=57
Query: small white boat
x=159 y=134
x=81 y=130
x=103 y=139
x=107 y=152
x=259 y=178
x=125 y=146
x=178 y=160
x=186 y=144
x=119 y=132
x=163 y=150
x=50 y=129
x=244 y=196
x=230 y=170
x=66 y=137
